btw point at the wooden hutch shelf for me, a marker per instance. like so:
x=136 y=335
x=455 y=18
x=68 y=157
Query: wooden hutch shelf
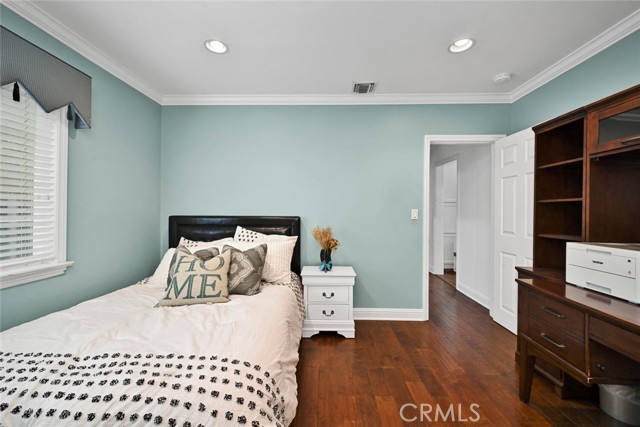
x=562 y=163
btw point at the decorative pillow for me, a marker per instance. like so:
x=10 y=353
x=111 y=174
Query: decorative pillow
x=201 y=244
x=277 y=266
x=162 y=270
x=244 y=235
x=246 y=268
x=203 y=254
x=194 y=281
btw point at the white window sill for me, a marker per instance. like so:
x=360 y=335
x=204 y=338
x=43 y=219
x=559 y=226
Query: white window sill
x=31 y=274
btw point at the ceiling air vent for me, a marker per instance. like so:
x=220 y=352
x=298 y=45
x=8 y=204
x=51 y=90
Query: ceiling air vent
x=363 y=87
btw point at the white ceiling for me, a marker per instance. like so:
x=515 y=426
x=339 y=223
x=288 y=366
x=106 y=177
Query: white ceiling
x=312 y=51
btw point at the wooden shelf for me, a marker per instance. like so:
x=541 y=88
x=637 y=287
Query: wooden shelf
x=575 y=161
x=565 y=200
x=559 y=186
x=566 y=237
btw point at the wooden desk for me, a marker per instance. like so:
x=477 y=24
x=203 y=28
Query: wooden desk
x=592 y=337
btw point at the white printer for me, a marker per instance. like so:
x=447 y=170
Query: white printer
x=610 y=268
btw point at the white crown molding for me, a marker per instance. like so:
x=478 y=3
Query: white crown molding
x=350 y=99
x=596 y=45
x=56 y=29
x=59 y=31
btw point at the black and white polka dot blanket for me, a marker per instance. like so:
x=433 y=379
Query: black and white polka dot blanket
x=136 y=389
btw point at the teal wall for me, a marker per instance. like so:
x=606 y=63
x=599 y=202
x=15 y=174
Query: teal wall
x=610 y=71
x=113 y=193
x=358 y=169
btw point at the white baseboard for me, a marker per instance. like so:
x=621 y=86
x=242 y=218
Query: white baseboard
x=406 y=314
x=483 y=300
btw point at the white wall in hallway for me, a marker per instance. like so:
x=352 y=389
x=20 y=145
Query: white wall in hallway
x=474 y=210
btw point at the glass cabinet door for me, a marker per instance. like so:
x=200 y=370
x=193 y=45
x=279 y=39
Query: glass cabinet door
x=617 y=127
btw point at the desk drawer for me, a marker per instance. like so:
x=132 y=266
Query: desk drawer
x=612 y=336
x=566 y=319
x=556 y=341
x=607 y=363
x=327 y=312
x=333 y=294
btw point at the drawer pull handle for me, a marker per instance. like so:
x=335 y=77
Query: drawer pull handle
x=601 y=366
x=328 y=315
x=553 y=313
x=546 y=338
x=324 y=294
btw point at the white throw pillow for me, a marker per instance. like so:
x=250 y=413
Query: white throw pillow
x=245 y=235
x=277 y=265
x=195 y=245
x=159 y=278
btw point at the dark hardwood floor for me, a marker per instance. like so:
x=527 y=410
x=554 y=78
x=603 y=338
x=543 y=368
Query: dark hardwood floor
x=459 y=358
x=449 y=277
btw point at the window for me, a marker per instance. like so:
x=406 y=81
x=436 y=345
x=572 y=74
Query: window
x=33 y=190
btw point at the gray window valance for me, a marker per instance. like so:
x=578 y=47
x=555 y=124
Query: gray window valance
x=50 y=81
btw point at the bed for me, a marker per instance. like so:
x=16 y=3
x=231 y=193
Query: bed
x=120 y=360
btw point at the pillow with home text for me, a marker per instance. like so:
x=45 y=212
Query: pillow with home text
x=195 y=280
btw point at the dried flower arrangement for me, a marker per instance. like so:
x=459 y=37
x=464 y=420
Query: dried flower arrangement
x=328 y=243
x=324 y=237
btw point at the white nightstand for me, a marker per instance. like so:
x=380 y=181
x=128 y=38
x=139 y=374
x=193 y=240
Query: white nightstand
x=328 y=300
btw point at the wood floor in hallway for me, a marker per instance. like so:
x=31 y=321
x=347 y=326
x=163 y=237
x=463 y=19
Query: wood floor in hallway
x=457 y=359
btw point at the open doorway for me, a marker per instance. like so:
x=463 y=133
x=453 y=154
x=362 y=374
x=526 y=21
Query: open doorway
x=473 y=236
x=445 y=220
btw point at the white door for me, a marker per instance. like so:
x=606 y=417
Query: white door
x=445 y=216
x=450 y=175
x=513 y=222
x=438 y=223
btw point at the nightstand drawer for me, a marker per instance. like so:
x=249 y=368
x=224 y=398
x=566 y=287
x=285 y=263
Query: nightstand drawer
x=327 y=312
x=333 y=294
x=557 y=342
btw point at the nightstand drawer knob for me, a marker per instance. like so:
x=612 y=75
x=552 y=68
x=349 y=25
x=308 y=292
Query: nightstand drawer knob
x=601 y=366
x=328 y=315
x=324 y=294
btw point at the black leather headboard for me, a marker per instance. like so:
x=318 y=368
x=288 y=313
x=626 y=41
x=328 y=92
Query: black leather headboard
x=208 y=228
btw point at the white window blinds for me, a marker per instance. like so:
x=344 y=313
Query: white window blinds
x=32 y=176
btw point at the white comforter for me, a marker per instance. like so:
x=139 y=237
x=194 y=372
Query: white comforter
x=117 y=360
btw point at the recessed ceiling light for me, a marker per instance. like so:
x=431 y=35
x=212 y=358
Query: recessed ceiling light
x=461 y=45
x=215 y=46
